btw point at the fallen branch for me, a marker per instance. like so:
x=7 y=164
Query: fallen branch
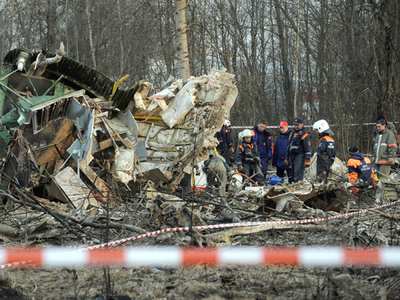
x=44 y=209
x=58 y=216
x=244 y=230
x=8 y=230
x=386 y=215
x=260 y=228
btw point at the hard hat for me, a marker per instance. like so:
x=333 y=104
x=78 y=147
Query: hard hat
x=321 y=126
x=247 y=133
x=227 y=123
x=240 y=135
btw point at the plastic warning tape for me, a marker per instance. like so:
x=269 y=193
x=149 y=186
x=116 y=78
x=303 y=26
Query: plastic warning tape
x=239 y=224
x=215 y=226
x=188 y=256
x=270 y=126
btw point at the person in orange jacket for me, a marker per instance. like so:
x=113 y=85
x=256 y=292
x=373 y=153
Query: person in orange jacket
x=326 y=149
x=360 y=168
x=247 y=159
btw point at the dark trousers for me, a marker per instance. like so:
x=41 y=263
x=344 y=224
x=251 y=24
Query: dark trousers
x=186 y=183
x=250 y=169
x=225 y=152
x=264 y=162
x=323 y=166
x=297 y=170
x=383 y=171
x=281 y=172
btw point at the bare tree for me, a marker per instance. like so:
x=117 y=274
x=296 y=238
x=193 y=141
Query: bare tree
x=88 y=15
x=287 y=77
x=348 y=58
x=184 y=68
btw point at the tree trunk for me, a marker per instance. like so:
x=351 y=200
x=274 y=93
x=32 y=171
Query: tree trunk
x=288 y=84
x=88 y=5
x=51 y=24
x=66 y=27
x=274 y=69
x=297 y=59
x=384 y=56
x=121 y=44
x=184 y=68
x=76 y=40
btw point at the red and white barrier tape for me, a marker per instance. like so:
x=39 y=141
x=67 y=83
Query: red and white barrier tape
x=176 y=257
x=240 y=224
x=270 y=126
x=215 y=226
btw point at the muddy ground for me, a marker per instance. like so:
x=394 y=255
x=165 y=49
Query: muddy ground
x=374 y=228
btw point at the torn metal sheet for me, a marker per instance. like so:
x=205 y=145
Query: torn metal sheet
x=124 y=123
x=78 y=113
x=141 y=146
x=47 y=146
x=155 y=171
x=78 y=76
x=80 y=148
x=183 y=102
x=124 y=166
x=75 y=189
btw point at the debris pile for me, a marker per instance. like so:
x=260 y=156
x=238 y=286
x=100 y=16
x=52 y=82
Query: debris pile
x=68 y=138
x=61 y=142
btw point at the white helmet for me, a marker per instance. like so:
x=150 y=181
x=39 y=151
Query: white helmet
x=247 y=133
x=227 y=123
x=321 y=126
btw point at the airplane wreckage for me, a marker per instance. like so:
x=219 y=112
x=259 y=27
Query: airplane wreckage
x=67 y=130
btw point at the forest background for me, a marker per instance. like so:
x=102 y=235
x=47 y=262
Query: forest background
x=337 y=60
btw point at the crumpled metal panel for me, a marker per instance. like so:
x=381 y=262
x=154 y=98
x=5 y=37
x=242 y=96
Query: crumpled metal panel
x=78 y=75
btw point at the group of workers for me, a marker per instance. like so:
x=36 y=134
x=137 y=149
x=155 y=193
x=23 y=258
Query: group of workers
x=291 y=153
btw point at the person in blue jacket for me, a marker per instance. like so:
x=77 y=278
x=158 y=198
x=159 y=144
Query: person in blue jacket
x=263 y=139
x=298 y=153
x=225 y=142
x=280 y=147
x=360 y=168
